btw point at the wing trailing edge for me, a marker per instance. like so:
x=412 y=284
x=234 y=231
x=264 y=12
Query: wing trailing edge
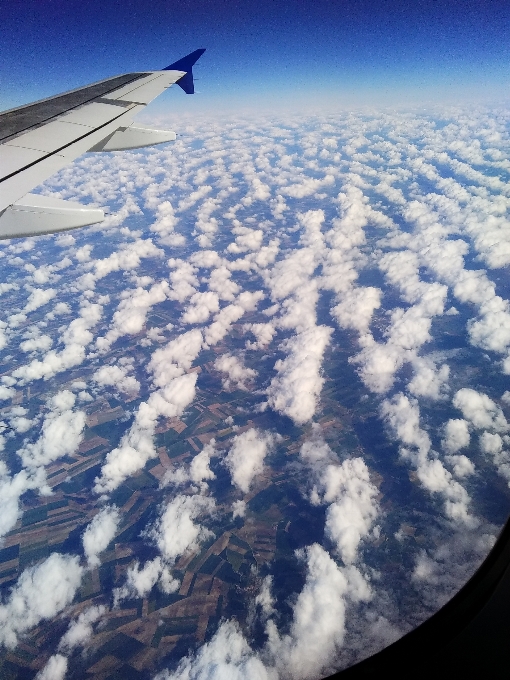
x=134 y=137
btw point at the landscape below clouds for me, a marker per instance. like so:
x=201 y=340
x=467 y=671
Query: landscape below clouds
x=256 y=423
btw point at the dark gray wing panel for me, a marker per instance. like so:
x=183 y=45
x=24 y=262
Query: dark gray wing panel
x=25 y=117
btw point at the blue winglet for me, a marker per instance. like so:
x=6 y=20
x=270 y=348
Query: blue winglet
x=186 y=64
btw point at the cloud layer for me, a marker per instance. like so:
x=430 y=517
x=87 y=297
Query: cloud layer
x=292 y=325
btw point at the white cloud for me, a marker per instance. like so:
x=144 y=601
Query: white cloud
x=46 y=273
x=117 y=377
x=247 y=239
x=59 y=309
x=140 y=582
x=75 y=339
x=81 y=629
x=193 y=197
x=289 y=274
x=236 y=373
x=11 y=490
x=491 y=330
x=480 y=410
x=295 y=390
x=38 y=298
x=6 y=287
x=199 y=468
x=246 y=302
x=65 y=240
x=36 y=343
x=427 y=380
x=83 y=254
x=492 y=445
x=356 y=307
x=220 y=282
x=319 y=617
x=99 y=533
x=200 y=308
x=6 y=392
x=408 y=331
x=208 y=259
x=265 y=598
x=183 y=279
x=136 y=446
x=41 y=592
x=18 y=421
x=132 y=311
x=349 y=493
x=4 y=338
x=456 y=435
x=226 y=655
x=461 y=465
x=307 y=187
x=403 y=416
x=85 y=396
x=238 y=509
x=245 y=459
x=14 y=321
x=433 y=573
x=128 y=258
x=176 y=357
x=55 y=668
x=165 y=224
x=263 y=332
x=61 y=433
x=176 y=533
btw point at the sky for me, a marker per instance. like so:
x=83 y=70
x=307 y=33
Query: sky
x=264 y=54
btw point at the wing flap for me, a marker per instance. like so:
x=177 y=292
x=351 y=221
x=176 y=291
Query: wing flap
x=14 y=158
x=136 y=138
x=50 y=137
x=92 y=115
x=34 y=215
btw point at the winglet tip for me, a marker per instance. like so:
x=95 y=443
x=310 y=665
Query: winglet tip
x=186 y=64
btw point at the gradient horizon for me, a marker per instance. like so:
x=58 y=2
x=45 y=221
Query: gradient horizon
x=264 y=54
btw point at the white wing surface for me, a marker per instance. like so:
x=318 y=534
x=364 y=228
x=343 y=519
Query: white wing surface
x=39 y=139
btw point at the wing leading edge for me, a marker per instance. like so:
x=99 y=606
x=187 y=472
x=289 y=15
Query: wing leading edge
x=39 y=139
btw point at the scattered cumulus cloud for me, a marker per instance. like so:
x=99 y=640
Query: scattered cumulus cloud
x=41 y=592
x=295 y=390
x=236 y=374
x=235 y=258
x=99 y=533
x=245 y=459
x=176 y=531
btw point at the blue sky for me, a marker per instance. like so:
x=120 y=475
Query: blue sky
x=263 y=53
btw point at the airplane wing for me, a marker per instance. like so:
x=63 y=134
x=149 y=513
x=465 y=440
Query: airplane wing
x=39 y=139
